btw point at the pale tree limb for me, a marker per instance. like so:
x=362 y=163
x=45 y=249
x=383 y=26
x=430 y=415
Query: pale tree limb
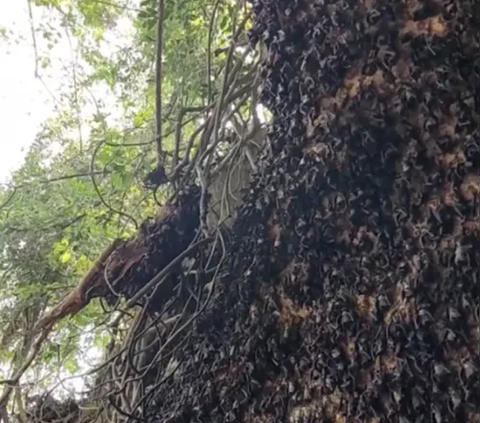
x=34 y=39
x=30 y=315
x=11 y=383
x=58 y=178
x=77 y=298
x=209 y=48
x=158 y=77
x=78 y=110
x=35 y=50
x=70 y=305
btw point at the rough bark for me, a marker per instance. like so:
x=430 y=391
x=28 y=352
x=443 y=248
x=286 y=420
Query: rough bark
x=351 y=292
x=125 y=267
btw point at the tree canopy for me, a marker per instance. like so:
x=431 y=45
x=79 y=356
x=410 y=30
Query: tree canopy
x=82 y=183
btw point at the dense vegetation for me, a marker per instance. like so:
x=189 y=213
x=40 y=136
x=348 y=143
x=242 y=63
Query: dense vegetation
x=346 y=289
x=83 y=180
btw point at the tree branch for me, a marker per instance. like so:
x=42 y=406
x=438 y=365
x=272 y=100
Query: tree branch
x=158 y=77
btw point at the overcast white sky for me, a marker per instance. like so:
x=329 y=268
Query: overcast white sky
x=24 y=102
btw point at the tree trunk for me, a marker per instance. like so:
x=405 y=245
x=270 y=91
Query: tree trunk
x=351 y=292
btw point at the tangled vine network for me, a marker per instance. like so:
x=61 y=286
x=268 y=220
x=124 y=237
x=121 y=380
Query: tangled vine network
x=171 y=266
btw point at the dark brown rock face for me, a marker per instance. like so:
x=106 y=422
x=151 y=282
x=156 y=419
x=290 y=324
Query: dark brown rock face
x=352 y=291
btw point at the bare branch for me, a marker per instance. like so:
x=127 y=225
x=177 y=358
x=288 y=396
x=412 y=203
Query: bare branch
x=158 y=77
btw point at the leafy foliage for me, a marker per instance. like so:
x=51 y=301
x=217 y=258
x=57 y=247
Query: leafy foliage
x=80 y=185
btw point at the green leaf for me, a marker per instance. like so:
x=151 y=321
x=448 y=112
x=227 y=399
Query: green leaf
x=71 y=365
x=65 y=257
